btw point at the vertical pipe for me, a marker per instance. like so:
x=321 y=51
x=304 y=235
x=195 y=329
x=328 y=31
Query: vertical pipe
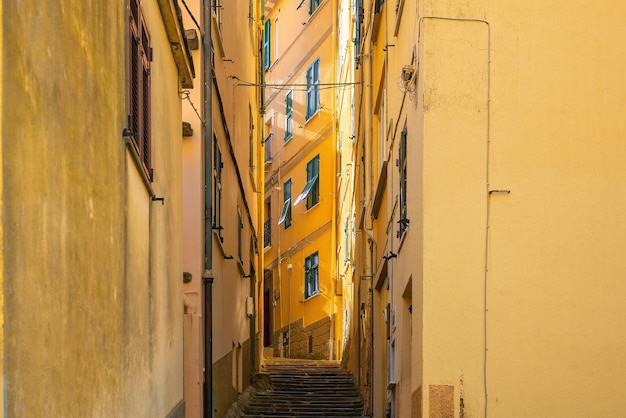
x=208 y=198
x=208 y=348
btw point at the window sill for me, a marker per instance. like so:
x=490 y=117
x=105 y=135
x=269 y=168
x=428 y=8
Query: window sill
x=307 y=210
x=218 y=32
x=220 y=242
x=312 y=296
x=315 y=12
x=317 y=112
x=138 y=165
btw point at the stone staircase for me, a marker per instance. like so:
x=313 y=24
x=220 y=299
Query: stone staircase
x=304 y=388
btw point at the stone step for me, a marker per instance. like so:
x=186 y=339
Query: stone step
x=306 y=400
x=305 y=388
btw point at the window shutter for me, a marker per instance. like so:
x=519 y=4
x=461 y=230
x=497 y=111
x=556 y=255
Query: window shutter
x=266 y=44
x=316 y=89
x=133 y=68
x=309 y=92
x=139 y=57
x=288 y=115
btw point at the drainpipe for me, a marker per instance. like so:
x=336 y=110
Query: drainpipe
x=208 y=198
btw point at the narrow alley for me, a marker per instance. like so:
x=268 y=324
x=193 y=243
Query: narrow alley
x=306 y=208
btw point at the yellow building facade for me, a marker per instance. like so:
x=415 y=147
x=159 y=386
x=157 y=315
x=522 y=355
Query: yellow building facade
x=222 y=193
x=91 y=209
x=302 y=294
x=491 y=226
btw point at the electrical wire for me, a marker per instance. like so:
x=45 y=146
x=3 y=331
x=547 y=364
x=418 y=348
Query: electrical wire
x=193 y=18
x=184 y=95
x=298 y=86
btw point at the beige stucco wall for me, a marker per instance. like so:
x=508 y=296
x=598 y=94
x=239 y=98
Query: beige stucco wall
x=553 y=277
x=455 y=112
x=548 y=273
x=92 y=284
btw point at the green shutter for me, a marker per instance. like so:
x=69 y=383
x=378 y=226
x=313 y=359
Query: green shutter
x=266 y=44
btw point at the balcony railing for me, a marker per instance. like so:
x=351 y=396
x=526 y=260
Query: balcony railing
x=267 y=236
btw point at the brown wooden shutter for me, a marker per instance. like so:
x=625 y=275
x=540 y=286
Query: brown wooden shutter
x=140 y=55
x=133 y=34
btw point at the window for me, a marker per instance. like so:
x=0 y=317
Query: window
x=312 y=175
x=285 y=213
x=139 y=57
x=217 y=189
x=267 y=225
x=358 y=20
x=311 y=190
x=313 y=5
x=311 y=282
x=404 y=222
x=378 y=6
x=288 y=115
x=266 y=44
x=391 y=362
x=313 y=89
x=267 y=143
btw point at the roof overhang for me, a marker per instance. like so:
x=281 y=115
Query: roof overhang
x=176 y=36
